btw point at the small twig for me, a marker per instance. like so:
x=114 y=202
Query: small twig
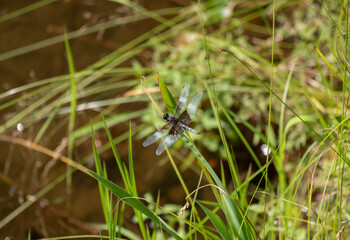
x=58 y=152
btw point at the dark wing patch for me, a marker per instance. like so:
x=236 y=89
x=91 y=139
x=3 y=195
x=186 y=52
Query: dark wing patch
x=176 y=130
x=185 y=118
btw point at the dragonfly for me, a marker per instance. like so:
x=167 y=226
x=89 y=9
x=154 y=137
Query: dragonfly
x=177 y=123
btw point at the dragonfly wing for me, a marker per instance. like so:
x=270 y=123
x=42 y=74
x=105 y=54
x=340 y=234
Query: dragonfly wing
x=193 y=105
x=176 y=130
x=155 y=137
x=166 y=143
x=185 y=118
x=183 y=98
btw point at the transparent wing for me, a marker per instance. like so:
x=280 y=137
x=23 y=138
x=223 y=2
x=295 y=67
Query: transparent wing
x=166 y=143
x=193 y=105
x=183 y=98
x=155 y=137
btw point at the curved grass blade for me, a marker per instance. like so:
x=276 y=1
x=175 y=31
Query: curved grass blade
x=217 y=222
x=239 y=223
x=105 y=200
x=134 y=203
x=129 y=180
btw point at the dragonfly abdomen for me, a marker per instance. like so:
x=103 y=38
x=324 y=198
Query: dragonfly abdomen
x=188 y=128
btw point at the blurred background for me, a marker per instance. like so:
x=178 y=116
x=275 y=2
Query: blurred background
x=109 y=46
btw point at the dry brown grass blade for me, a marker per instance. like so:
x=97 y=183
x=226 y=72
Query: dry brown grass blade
x=46 y=151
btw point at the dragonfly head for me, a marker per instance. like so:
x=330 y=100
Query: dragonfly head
x=165 y=116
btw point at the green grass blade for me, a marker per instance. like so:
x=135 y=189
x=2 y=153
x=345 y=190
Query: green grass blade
x=134 y=203
x=217 y=222
x=73 y=105
x=131 y=165
x=240 y=134
x=331 y=66
x=30 y=109
x=47 y=123
x=75 y=34
x=26 y=9
x=129 y=180
x=117 y=158
x=73 y=96
x=103 y=190
x=25 y=96
x=168 y=98
x=234 y=214
x=111 y=121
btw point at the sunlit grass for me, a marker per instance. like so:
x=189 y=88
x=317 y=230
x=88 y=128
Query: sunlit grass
x=284 y=85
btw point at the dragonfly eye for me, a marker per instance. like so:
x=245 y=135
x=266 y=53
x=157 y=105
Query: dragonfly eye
x=165 y=116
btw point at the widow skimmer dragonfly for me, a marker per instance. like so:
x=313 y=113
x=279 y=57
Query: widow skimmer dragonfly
x=176 y=124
